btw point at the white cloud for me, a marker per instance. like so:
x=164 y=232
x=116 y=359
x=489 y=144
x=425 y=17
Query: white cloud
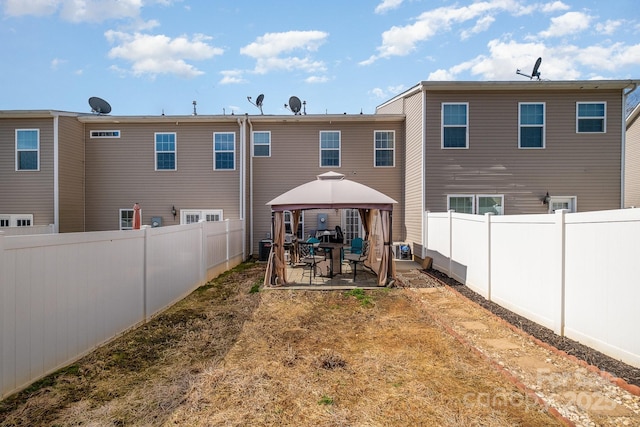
x=275 y=51
x=402 y=40
x=569 y=23
x=232 y=77
x=609 y=27
x=316 y=79
x=76 y=10
x=56 y=62
x=387 y=5
x=160 y=54
x=554 y=7
x=482 y=25
x=387 y=92
x=30 y=7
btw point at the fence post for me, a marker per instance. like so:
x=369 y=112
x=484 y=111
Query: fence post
x=425 y=234
x=487 y=218
x=145 y=272
x=561 y=233
x=227 y=240
x=203 y=253
x=450 y=268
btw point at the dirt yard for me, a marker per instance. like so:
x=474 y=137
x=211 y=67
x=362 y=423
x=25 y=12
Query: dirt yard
x=229 y=355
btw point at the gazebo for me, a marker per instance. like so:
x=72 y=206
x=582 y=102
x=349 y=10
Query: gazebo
x=332 y=191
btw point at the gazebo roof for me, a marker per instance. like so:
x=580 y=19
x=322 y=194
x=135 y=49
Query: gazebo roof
x=332 y=191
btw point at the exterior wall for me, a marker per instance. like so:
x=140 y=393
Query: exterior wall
x=583 y=165
x=632 y=162
x=121 y=172
x=295 y=160
x=27 y=192
x=413 y=177
x=71 y=175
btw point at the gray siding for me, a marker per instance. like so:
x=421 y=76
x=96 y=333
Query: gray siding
x=632 y=164
x=121 y=172
x=295 y=160
x=27 y=192
x=572 y=164
x=71 y=175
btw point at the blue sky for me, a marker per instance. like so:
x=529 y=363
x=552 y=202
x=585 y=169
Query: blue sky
x=146 y=57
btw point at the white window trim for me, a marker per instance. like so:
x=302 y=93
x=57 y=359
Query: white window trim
x=95 y=134
x=120 y=227
x=14 y=218
x=224 y=151
x=475 y=201
x=253 y=140
x=175 y=151
x=472 y=196
x=375 y=149
x=37 y=151
x=493 y=196
x=544 y=125
x=603 y=118
x=466 y=126
x=202 y=214
x=330 y=149
x=572 y=199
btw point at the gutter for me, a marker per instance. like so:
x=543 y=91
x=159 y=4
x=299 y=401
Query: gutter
x=250 y=186
x=242 y=186
x=56 y=174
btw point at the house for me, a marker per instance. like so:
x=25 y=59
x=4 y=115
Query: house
x=632 y=160
x=511 y=147
x=525 y=147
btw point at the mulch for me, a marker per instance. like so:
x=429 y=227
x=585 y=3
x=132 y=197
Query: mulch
x=590 y=356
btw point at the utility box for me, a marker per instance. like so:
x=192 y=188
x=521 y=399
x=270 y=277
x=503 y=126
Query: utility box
x=265 y=248
x=156 y=221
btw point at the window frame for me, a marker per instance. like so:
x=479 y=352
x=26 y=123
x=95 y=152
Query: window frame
x=225 y=151
x=603 y=118
x=23 y=150
x=261 y=144
x=377 y=149
x=543 y=126
x=475 y=202
x=174 y=151
x=128 y=219
x=16 y=220
x=202 y=215
x=445 y=126
x=322 y=149
x=95 y=134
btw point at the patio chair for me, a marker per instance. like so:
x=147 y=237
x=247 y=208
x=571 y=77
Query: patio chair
x=356 y=245
x=309 y=255
x=357 y=258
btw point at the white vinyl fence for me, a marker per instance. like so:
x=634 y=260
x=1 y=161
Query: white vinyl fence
x=63 y=295
x=575 y=273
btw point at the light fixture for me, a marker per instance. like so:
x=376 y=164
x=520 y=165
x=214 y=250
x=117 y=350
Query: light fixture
x=545 y=199
x=174 y=212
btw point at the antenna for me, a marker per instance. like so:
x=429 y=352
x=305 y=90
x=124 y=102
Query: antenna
x=99 y=105
x=258 y=102
x=294 y=105
x=534 y=73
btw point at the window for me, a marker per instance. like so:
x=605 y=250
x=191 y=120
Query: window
x=16 y=220
x=454 y=125
x=556 y=203
x=224 y=147
x=165 y=151
x=262 y=144
x=126 y=219
x=591 y=117
x=27 y=149
x=384 y=148
x=190 y=216
x=329 y=148
x=352 y=225
x=105 y=134
x=476 y=203
x=288 y=224
x=531 y=118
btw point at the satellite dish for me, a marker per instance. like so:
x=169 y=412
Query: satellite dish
x=295 y=104
x=99 y=105
x=535 y=72
x=258 y=102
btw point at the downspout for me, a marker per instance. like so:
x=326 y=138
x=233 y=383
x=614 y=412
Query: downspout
x=242 y=186
x=250 y=186
x=423 y=180
x=625 y=95
x=56 y=175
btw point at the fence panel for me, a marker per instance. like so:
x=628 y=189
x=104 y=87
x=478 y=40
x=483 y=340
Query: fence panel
x=438 y=240
x=469 y=251
x=602 y=276
x=62 y=295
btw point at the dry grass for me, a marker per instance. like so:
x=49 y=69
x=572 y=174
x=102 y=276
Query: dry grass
x=227 y=356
